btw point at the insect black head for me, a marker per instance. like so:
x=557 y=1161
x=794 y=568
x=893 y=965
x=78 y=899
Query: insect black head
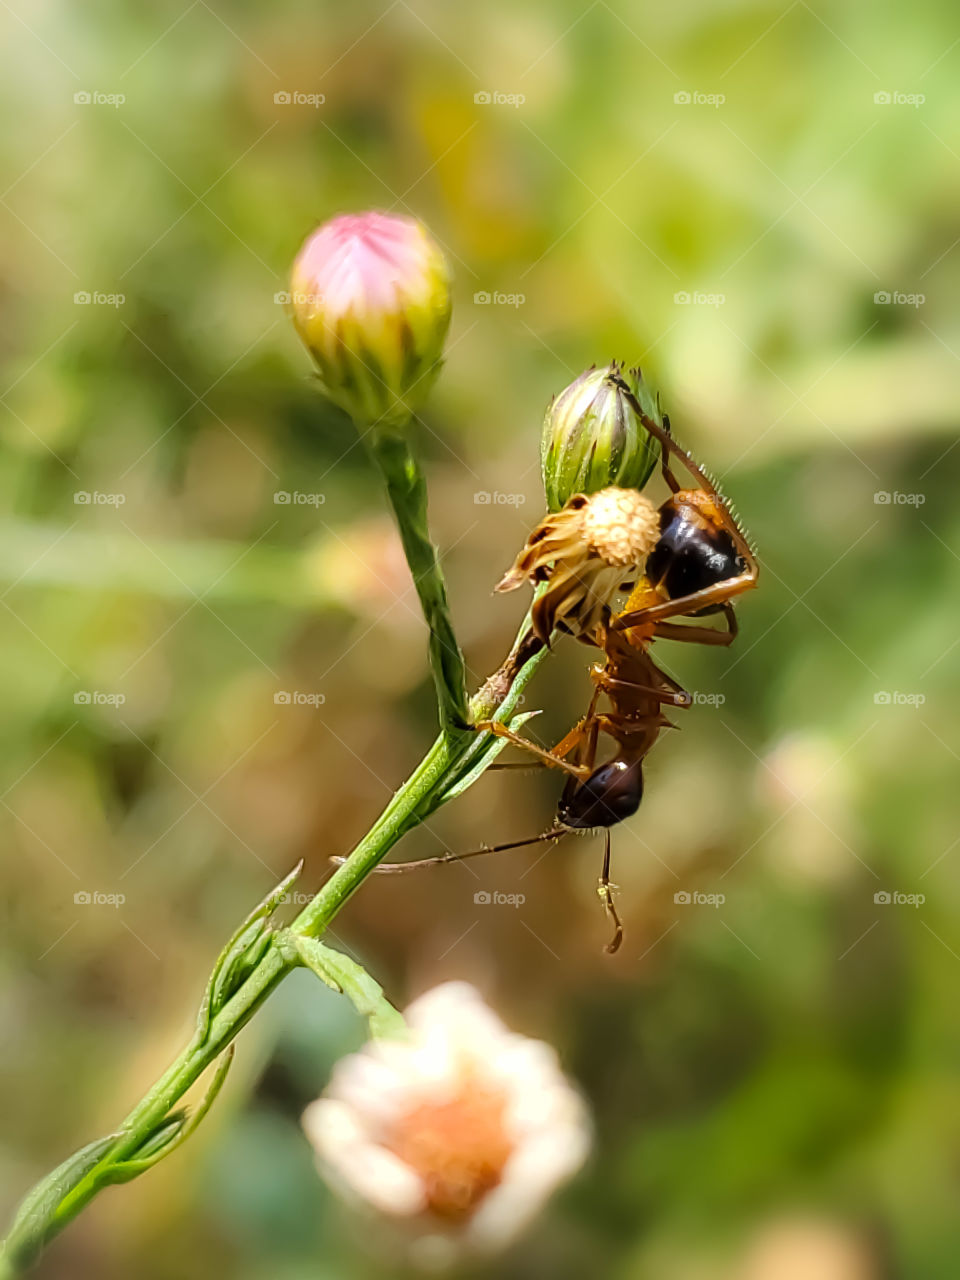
x=612 y=793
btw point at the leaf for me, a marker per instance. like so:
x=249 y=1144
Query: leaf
x=171 y=1133
x=352 y=980
x=478 y=761
x=240 y=955
x=33 y=1219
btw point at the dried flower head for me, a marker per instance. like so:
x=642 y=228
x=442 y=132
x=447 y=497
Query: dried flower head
x=586 y=552
x=593 y=437
x=370 y=298
x=462 y=1131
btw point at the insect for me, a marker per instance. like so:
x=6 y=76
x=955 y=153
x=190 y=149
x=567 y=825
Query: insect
x=698 y=564
x=701 y=560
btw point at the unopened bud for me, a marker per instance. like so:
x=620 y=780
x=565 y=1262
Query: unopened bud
x=370 y=299
x=592 y=438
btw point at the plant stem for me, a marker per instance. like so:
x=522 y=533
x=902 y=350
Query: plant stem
x=407 y=490
x=452 y=753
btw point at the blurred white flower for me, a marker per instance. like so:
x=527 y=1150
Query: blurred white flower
x=463 y=1130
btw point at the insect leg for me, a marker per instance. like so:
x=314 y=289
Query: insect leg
x=605 y=890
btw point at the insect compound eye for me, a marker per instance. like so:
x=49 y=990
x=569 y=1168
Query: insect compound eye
x=612 y=793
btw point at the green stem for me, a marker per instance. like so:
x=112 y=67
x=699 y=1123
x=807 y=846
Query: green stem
x=454 y=762
x=456 y=757
x=407 y=490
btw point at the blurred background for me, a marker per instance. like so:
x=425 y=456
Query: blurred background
x=214 y=664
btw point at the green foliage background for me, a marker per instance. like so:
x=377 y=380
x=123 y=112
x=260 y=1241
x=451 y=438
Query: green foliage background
x=789 y=1057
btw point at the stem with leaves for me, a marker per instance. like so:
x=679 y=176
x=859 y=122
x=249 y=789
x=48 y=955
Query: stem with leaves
x=260 y=954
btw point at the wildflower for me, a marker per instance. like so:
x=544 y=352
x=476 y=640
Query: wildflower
x=370 y=299
x=592 y=436
x=587 y=552
x=461 y=1131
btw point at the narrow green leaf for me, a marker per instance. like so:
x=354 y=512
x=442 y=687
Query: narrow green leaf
x=221 y=984
x=345 y=975
x=173 y=1133
x=478 y=761
x=33 y=1219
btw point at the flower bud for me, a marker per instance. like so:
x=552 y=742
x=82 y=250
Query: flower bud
x=592 y=438
x=370 y=299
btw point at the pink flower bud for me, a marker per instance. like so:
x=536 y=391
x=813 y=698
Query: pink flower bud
x=370 y=299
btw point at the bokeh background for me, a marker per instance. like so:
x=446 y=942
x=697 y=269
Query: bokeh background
x=755 y=201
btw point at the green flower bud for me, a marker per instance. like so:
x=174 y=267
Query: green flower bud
x=592 y=438
x=370 y=299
